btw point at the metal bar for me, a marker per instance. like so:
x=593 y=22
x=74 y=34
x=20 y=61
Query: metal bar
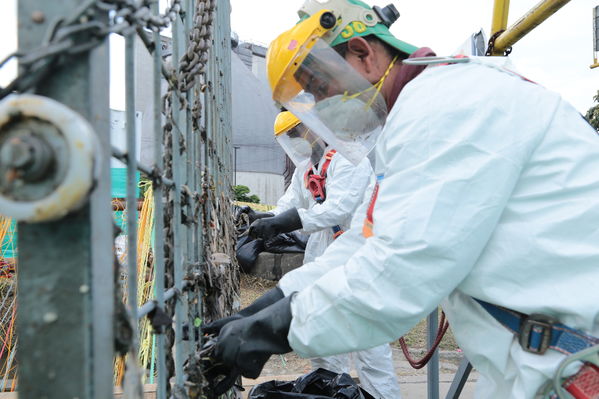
x=225 y=24
x=190 y=181
x=169 y=294
x=178 y=41
x=102 y=233
x=148 y=171
x=528 y=22
x=595 y=36
x=432 y=369
x=459 y=381
x=131 y=184
x=161 y=379
x=151 y=46
x=501 y=9
x=62 y=354
x=197 y=311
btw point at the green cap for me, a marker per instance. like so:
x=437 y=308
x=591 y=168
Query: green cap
x=354 y=18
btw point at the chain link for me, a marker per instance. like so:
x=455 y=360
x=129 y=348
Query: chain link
x=491 y=45
x=188 y=75
x=81 y=32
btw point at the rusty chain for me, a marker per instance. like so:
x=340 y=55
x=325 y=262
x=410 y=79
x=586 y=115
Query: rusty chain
x=491 y=45
x=82 y=31
x=211 y=282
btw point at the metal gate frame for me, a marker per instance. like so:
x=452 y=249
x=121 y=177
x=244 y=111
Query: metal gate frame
x=67 y=292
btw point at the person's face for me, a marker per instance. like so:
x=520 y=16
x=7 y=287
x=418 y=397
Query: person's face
x=318 y=83
x=302 y=132
x=322 y=79
x=367 y=59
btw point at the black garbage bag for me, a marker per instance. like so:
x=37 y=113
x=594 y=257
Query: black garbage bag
x=319 y=384
x=284 y=243
x=247 y=252
x=248 y=249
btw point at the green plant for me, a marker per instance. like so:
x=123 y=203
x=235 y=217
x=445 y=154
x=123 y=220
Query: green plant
x=241 y=194
x=592 y=115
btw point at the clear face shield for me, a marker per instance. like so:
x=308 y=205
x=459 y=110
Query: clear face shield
x=335 y=101
x=302 y=146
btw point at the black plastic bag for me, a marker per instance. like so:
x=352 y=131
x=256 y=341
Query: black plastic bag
x=293 y=242
x=247 y=252
x=319 y=384
x=248 y=249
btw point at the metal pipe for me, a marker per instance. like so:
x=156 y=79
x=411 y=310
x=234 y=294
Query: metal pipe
x=151 y=46
x=149 y=306
x=161 y=379
x=131 y=184
x=190 y=181
x=432 y=369
x=595 y=37
x=148 y=171
x=528 y=22
x=501 y=9
x=459 y=380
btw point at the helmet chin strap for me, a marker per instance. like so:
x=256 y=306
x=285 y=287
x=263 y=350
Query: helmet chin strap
x=377 y=86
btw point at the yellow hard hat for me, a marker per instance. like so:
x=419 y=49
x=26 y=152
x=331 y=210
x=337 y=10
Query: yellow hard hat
x=285 y=121
x=287 y=52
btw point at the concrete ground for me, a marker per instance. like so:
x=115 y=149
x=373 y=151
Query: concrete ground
x=413 y=382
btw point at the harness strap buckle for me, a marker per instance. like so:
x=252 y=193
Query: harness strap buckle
x=536 y=332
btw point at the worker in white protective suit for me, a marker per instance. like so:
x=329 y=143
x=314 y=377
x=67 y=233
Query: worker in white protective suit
x=486 y=203
x=324 y=192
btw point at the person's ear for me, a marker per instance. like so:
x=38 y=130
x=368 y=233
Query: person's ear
x=360 y=48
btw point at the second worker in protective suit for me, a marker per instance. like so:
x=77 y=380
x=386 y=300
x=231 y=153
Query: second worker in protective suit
x=324 y=192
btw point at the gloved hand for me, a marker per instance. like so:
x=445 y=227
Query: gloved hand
x=252 y=214
x=219 y=377
x=284 y=222
x=271 y=296
x=244 y=345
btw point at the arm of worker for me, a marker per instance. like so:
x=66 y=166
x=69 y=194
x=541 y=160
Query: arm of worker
x=335 y=255
x=447 y=180
x=345 y=186
x=293 y=197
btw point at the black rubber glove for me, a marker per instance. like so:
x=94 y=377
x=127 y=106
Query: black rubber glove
x=244 y=345
x=271 y=296
x=284 y=222
x=252 y=214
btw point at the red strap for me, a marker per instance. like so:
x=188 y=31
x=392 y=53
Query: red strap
x=367 y=228
x=316 y=183
x=327 y=162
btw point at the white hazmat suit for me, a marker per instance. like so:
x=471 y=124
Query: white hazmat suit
x=489 y=189
x=346 y=186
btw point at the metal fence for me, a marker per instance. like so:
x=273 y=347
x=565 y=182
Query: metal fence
x=70 y=311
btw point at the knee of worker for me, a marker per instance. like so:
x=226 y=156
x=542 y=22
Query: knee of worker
x=336 y=363
x=377 y=360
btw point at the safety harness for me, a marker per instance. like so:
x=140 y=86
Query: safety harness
x=537 y=333
x=316 y=184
